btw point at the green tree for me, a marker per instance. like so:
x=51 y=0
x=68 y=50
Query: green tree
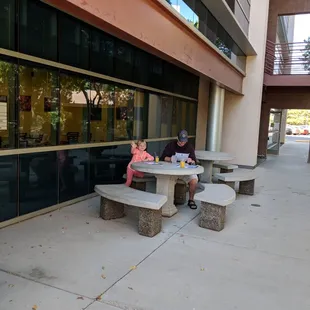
x=298 y=117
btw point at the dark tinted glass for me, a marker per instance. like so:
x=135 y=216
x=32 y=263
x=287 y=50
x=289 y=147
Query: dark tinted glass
x=38 y=181
x=156 y=78
x=8 y=187
x=38 y=30
x=104 y=167
x=38 y=106
x=73 y=173
x=122 y=158
x=102 y=53
x=140 y=73
x=74 y=39
x=8 y=109
x=7 y=22
x=124 y=60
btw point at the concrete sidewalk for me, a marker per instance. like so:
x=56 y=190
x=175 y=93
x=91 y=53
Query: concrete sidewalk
x=261 y=260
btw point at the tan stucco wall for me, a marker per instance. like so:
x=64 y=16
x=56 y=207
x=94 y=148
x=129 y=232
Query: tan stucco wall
x=202 y=113
x=242 y=113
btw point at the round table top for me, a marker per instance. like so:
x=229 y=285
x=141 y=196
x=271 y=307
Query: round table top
x=164 y=168
x=213 y=156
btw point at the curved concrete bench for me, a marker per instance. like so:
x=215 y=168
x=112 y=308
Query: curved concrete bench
x=225 y=168
x=114 y=197
x=214 y=200
x=245 y=177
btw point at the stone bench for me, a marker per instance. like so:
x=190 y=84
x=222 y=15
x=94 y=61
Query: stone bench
x=214 y=199
x=114 y=197
x=245 y=177
x=225 y=168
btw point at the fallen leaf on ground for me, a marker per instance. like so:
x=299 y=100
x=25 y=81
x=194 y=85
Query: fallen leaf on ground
x=130 y=288
x=99 y=297
x=80 y=298
x=11 y=285
x=133 y=267
x=103 y=276
x=35 y=307
x=202 y=269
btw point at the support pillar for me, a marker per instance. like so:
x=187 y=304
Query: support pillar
x=263 y=131
x=215 y=118
x=283 y=127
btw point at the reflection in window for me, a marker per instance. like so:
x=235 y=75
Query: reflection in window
x=101 y=112
x=74 y=98
x=38 y=107
x=124 y=114
x=166 y=117
x=7 y=22
x=7 y=105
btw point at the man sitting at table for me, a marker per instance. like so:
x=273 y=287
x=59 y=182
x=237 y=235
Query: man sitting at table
x=182 y=146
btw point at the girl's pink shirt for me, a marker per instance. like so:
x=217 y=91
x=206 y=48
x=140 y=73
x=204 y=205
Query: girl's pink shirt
x=138 y=156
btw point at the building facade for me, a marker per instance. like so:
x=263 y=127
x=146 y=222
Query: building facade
x=286 y=78
x=79 y=80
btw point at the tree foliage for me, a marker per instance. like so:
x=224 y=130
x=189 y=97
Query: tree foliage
x=298 y=117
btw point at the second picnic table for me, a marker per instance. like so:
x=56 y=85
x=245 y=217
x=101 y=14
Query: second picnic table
x=207 y=158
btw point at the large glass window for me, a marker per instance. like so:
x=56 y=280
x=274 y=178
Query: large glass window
x=38 y=106
x=75 y=100
x=74 y=42
x=7 y=22
x=8 y=113
x=38 y=30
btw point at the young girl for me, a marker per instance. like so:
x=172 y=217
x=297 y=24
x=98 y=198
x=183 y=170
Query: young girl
x=138 y=154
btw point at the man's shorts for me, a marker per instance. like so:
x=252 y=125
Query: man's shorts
x=188 y=178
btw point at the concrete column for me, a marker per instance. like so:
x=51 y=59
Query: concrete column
x=215 y=118
x=263 y=131
x=202 y=113
x=283 y=127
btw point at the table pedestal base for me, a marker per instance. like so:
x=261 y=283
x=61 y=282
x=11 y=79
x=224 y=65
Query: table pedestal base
x=206 y=177
x=165 y=186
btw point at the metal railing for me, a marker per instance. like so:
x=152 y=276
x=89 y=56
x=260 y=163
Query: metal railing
x=287 y=58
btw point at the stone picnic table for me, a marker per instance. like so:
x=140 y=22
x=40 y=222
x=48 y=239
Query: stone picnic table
x=207 y=158
x=166 y=176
